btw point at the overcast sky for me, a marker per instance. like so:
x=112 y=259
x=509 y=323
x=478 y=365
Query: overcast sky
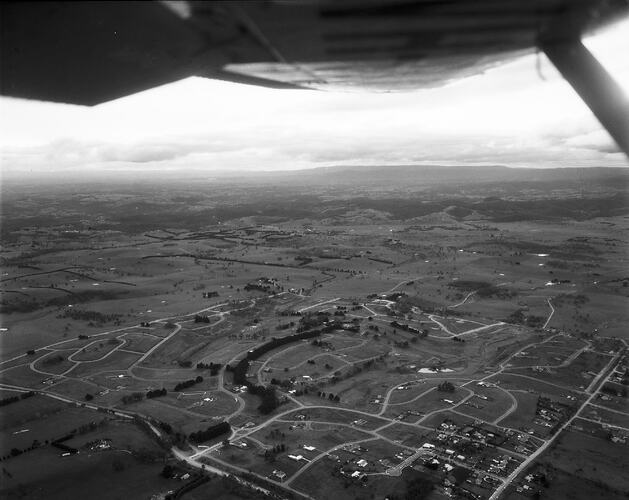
x=509 y=115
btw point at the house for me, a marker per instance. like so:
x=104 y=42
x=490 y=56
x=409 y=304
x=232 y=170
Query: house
x=296 y=458
x=309 y=448
x=362 y=463
x=281 y=475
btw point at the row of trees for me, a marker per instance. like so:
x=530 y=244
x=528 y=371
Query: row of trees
x=213 y=367
x=188 y=383
x=156 y=393
x=210 y=433
x=92 y=316
x=15 y=399
x=268 y=395
x=406 y=328
x=134 y=397
x=330 y=396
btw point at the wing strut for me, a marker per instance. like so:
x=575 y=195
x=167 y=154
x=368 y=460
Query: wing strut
x=595 y=86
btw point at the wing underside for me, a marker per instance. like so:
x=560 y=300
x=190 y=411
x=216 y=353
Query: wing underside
x=92 y=52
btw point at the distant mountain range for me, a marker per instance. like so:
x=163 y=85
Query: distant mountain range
x=496 y=180
x=420 y=175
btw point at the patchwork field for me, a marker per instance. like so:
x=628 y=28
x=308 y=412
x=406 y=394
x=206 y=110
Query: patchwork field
x=421 y=341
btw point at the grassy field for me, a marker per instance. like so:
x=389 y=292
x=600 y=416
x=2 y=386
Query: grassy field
x=526 y=381
x=590 y=458
x=97 y=350
x=117 y=360
x=55 y=363
x=493 y=403
x=130 y=469
x=139 y=342
x=606 y=416
x=53 y=425
x=577 y=375
x=524 y=416
x=405 y=434
x=562 y=485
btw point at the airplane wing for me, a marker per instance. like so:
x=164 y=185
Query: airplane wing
x=92 y=52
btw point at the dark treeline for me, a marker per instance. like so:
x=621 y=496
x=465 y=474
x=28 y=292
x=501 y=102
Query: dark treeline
x=89 y=315
x=213 y=367
x=156 y=393
x=406 y=328
x=15 y=399
x=210 y=432
x=188 y=383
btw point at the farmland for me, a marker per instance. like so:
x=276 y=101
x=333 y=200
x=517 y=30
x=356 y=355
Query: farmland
x=387 y=344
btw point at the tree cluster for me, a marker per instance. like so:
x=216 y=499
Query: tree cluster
x=213 y=367
x=312 y=320
x=210 y=433
x=269 y=398
x=15 y=399
x=406 y=328
x=285 y=326
x=330 y=396
x=78 y=314
x=446 y=386
x=156 y=393
x=272 y=452
x=132 y=398
x=188 y=383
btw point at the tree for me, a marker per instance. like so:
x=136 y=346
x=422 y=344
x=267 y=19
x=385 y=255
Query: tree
x=269 y=400
x=446 y=386
x=167 y=471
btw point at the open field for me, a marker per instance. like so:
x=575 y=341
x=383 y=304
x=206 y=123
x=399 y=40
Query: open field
x=128 y=469
x=579 y=454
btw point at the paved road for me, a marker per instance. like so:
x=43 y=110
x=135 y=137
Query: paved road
x=319 y=304
x=552 y=311
x=463 y=301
